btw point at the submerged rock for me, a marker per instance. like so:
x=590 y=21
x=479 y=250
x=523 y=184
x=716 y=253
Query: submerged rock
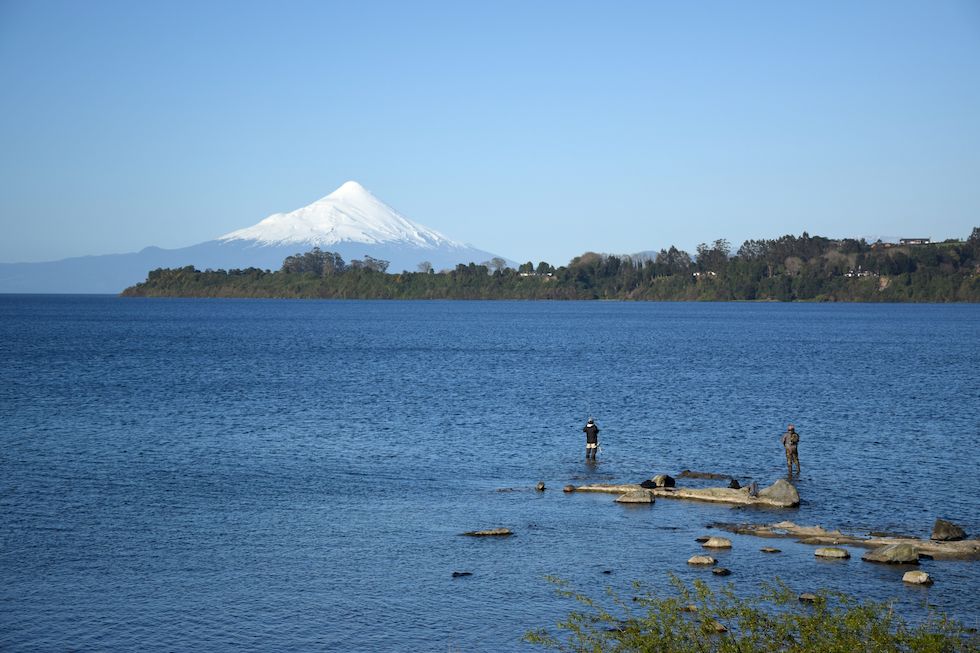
x=490 y=532
x=832 y=552
x=460 y=574
x=917 y=578
x=701 y=560
x=894 y=554
x=717 y=543
x=639 y=496
x=721 y=571
x=946 y=531
x=709 y=475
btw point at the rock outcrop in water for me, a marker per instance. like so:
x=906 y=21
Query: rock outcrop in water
x=917 y=578
x=900 y=553
x=490 y=532
x=780 y=494
x=639 y=496
x=957 y=550
x=717 y=543
x=946 y=531
x=687 y=473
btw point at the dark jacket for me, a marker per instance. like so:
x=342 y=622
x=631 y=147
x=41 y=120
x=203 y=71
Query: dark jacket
x=591 y=433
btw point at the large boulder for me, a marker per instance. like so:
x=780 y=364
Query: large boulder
x=639 y=496
x=945 y=531
x=894 y=554
x=782 y=493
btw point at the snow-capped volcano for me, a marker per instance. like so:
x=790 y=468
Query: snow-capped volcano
x=349 y=221
x=350 y=214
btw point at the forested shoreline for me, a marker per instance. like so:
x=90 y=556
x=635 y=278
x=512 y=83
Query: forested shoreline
x=790 y=268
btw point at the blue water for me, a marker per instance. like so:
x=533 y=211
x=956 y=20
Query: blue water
x=294 y=475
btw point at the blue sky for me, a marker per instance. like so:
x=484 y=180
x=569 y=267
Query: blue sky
x=536 y=130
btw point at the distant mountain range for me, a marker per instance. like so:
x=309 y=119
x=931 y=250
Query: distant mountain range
x=350 y=221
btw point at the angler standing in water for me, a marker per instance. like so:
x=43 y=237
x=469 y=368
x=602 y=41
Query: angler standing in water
x=591 y=439
x=791 y=441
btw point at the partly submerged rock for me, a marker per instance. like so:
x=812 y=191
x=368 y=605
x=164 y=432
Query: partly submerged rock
x=894 y=554
x=770 y=549
x=637 y=496
x=701 y=560
x=490 y=532
x=721 y=571
x=459 y=574
x=717 y=543
x=781 y=493
x=716 y=626
x=832 y=552
x=663 y=480
x=946 y=531
x=807 y=597
x=709 y=475
x=933 y=549
x=540 y=486
x=917 y=578
x=568 y=488
x=701 y=539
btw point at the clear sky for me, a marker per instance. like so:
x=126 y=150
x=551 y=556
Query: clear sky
x=535 y=130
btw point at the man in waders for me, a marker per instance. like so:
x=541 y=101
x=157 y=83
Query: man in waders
x=791 y=440
x=591 y=439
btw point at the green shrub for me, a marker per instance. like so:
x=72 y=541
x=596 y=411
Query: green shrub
x=698 y=620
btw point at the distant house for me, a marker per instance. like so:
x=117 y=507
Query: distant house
x=915 y=241
x=850 y=274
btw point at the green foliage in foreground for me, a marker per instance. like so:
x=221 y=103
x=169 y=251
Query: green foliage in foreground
x=698 y=620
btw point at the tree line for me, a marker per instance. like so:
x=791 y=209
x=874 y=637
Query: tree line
x=789 y=268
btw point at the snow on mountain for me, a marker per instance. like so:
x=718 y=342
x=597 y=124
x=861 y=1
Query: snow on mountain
x=349 y=214
x=349 y=221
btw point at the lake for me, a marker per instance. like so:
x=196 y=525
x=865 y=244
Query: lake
x=265 y=474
